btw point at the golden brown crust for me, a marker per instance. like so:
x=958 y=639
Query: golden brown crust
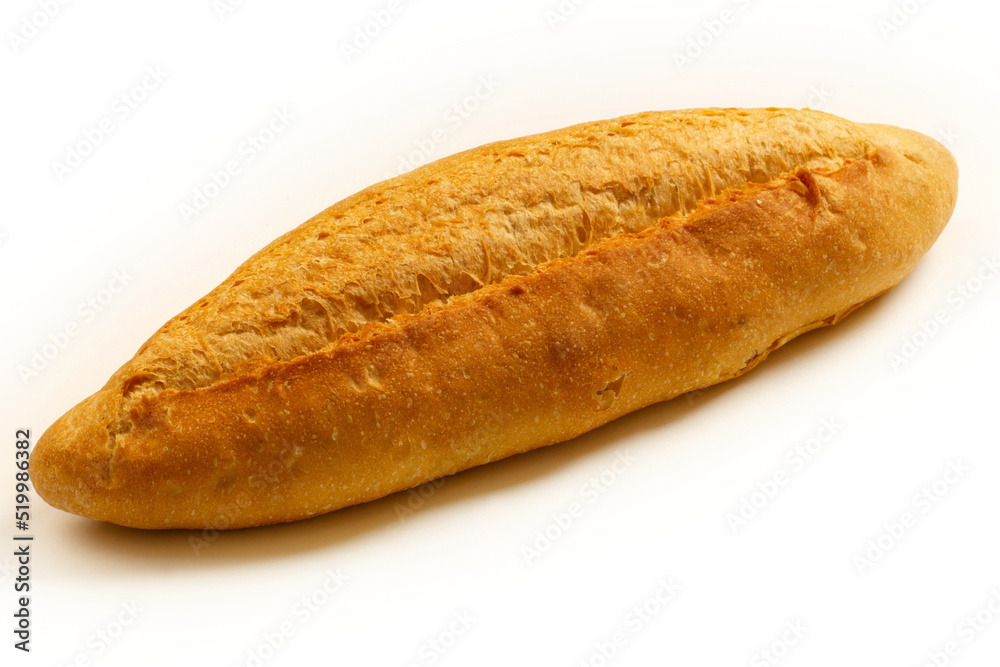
x=555 y=348
x=470 y=220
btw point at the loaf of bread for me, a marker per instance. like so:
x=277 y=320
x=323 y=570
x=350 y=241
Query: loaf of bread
x=505 y=298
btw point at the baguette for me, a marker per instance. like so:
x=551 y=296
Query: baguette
x=505 y=298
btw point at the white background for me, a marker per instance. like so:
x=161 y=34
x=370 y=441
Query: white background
x=217 y=599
